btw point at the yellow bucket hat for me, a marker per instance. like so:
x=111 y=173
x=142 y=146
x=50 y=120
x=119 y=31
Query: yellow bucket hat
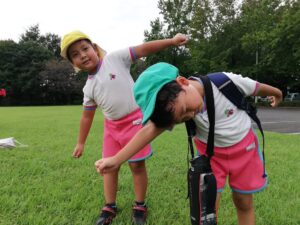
x=72 y=37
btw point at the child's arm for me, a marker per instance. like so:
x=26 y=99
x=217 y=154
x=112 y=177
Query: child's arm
x=85 y=125
x=151 y=47
x=147 y=134
x=274 y=94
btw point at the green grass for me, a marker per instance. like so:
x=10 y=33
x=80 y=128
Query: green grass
x=42 y=184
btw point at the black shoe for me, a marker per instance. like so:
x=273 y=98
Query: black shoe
x=139 y=214
x=107 y=215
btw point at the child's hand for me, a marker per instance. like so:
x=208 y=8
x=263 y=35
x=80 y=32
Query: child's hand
x=180 y=39
x=78 y=151
x=274 y=95
x=274 y=101
x=106 y=165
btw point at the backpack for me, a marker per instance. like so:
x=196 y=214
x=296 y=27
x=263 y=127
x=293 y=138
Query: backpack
x=233 y=94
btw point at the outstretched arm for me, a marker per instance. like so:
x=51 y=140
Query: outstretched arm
x=85 y=125
x=274 y=94
x=148 y=133
x=151 y=47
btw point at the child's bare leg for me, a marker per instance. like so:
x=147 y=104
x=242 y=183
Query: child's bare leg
x=140 y=180
x=218 y=203
x=245 y=208
x=110 y=186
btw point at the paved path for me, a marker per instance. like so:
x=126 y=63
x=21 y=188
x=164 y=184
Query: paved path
x=281 y=120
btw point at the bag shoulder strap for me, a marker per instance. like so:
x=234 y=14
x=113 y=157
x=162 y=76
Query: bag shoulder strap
x=233 y=94
x=210 y=106
x=190 y=124
x=191 y=131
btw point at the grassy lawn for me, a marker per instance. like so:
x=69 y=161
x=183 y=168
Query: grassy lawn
x=42 y=183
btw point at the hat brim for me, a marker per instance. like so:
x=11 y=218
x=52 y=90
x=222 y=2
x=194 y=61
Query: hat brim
x=150 y=108
x=100 y=50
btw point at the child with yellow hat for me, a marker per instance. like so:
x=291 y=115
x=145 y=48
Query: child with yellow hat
x=109 y=86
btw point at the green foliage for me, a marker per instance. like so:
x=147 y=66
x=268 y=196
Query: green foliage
x=33 y=73
x=285 y=47
x=42 y=184
x=137 y=68
x=176 y=17
x=257 y=38
x=60 y=85
x=19 y=67
x=48 y=41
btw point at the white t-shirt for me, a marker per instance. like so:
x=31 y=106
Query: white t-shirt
x=231 y=123
x=111 y=87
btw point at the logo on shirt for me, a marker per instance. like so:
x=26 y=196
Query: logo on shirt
x=112 y=76
x=228 y=112
x=137 y=122
x=251 y=146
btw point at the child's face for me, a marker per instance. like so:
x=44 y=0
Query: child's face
x=84 y=56
x=188 y=103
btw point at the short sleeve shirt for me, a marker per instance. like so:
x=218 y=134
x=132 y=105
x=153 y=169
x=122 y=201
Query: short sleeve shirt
x=231 y=123
x=111 y=87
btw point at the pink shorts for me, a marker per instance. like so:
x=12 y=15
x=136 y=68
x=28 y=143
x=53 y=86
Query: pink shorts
x=242 y=163
x=117 y=133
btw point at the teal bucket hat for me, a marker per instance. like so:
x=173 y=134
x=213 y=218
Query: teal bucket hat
x=149 y=84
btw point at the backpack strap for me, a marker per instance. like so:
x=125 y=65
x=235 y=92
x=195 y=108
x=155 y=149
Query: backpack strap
x=210 y=105
x=232 y=93
x=191 y=126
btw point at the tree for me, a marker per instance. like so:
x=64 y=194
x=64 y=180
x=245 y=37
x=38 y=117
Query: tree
x=175 y=20
x=8 y=49
x=59 y=83
x=48 y=41
x=284 y=57
x=30 y=61
x=52 y=43
x=215 y=41
x=32 y=34
x=20 y=64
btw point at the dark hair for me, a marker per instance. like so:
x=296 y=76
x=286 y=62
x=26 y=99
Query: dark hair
x=68 y=55
x=162 y=115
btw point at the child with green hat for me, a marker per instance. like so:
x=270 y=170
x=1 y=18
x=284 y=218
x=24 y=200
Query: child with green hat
x=166 y=99
x=109 y=87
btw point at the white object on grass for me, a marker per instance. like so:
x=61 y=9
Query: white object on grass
x=10 y=142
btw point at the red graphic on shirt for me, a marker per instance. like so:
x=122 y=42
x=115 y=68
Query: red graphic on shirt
x=112 y=76
x=228 y=112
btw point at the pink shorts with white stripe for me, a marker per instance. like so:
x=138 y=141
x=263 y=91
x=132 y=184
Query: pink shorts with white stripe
x=242 y=163
x=117 y=133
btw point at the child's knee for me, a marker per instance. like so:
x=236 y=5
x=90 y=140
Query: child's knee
x=243 y=202
x=138 y=167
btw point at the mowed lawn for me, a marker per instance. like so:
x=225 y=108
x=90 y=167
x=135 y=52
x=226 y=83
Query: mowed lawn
x=42 y=184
